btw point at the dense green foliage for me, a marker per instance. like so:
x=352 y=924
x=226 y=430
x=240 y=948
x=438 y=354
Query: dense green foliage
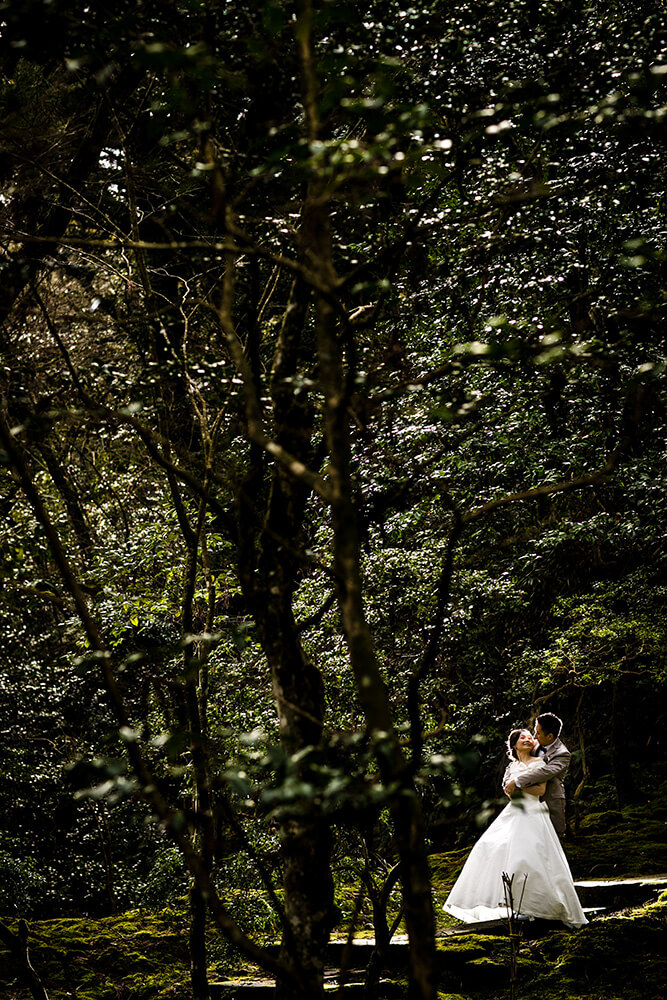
x=492 y=264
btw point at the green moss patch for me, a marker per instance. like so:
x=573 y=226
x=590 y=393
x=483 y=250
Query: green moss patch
x=142 y=955
x=618 y=956
x=609 y=846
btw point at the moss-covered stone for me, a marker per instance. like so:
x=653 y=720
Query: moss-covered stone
x=466 y=947
x=143 y=955
x=602 y=820
x=625 y=950
x=620 y=852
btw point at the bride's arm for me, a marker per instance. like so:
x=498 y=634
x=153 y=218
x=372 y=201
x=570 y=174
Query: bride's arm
x=535 y=789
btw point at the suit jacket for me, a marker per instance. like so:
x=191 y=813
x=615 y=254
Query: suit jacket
x=551 y=769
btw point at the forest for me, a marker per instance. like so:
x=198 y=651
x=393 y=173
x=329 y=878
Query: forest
x=332 y=449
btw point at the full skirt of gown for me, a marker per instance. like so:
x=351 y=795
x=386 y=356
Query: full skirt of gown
x=521 y=842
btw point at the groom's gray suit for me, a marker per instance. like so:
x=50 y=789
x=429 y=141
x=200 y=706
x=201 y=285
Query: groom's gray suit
x=552 y=769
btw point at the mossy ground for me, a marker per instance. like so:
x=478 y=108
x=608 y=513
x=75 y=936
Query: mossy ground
x=616 y=958
x=138 y=955
x=620 y=843
x=143 y=956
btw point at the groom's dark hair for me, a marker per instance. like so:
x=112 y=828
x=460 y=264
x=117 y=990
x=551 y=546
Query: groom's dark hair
x=550 y=723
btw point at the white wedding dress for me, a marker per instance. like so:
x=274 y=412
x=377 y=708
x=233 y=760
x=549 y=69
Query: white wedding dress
x=521 y=842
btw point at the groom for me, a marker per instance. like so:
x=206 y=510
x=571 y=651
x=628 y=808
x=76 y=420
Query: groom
x=552 y=769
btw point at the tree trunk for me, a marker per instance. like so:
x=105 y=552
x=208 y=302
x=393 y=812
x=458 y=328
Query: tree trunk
x=71 y=500
x=203 y=833
x=305 y=837
x=299 y=694
x=270 y=568
x=406 y=807
x=576 y=798
x=336 y=385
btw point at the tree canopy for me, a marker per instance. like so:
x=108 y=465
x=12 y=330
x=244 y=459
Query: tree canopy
x=333 y=423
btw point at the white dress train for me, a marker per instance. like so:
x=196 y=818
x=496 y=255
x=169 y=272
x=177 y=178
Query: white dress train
x=521 y=842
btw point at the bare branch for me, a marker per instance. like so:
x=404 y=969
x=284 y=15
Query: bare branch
x=248 y=249
x=317 y=617
x=412 y=385
x=565 y=486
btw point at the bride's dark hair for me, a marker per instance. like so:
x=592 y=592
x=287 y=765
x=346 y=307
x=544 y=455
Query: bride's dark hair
x=511 y=743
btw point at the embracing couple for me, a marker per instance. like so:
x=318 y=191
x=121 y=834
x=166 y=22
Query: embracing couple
x=523 y=841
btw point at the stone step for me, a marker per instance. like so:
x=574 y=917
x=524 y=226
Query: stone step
x=233 y=990
x=351 y=986
x=619 y=893
x=361 y=950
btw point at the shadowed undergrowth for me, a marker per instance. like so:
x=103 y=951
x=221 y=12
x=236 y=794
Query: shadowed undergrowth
x=143 y=955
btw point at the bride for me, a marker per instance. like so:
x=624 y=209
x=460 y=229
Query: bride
x=523 y=843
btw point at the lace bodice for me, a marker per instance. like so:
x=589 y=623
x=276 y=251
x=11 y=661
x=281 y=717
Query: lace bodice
x=517 y=767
